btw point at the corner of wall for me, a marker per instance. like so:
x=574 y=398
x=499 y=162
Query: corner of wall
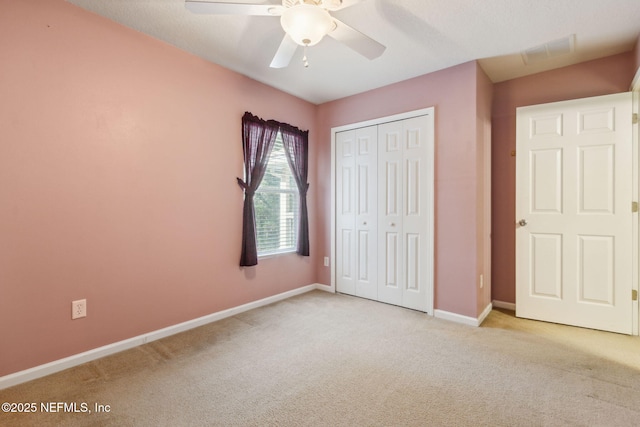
x=484 y=97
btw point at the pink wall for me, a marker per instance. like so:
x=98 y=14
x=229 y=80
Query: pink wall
x=118 y=159
x=453 y=93
x=599 y=77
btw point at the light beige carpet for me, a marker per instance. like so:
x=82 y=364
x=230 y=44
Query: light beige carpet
x=332 y=360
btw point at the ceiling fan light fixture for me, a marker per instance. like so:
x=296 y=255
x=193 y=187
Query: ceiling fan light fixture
x=306 y=24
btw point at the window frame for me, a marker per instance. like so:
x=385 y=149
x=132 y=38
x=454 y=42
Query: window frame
x=293 y=192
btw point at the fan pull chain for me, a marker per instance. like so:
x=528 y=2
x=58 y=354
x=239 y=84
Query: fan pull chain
x=305 y=61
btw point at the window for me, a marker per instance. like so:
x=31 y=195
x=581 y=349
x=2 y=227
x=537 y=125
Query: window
x=276 y=205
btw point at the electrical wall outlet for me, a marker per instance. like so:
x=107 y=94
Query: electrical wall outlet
x=78 y=309
x=481 y=281
x=326 y=261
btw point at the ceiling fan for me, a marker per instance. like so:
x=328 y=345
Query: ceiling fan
x=305 y=23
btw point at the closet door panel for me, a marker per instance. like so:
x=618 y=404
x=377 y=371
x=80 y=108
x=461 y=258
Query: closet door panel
x=366 y=217
x=390 y=211
x=346 y=269
x=415 y=211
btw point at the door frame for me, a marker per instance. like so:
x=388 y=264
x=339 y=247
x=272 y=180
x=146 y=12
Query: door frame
x=430 y=111
x=635 y=131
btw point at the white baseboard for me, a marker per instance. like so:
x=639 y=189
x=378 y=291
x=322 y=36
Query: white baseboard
x=97 y=353
x=504 y=305
x=485 y=313
x=465 y=320
x=325 y=288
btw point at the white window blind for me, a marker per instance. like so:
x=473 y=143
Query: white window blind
x=276 y=206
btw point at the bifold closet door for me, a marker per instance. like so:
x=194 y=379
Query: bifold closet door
x=403 y=212
x=356 y=217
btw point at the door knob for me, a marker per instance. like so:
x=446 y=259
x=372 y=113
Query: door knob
x=522 y=222
x=393 y=224
x=364 y=223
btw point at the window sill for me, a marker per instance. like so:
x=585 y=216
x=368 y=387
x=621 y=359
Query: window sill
x=276 y=254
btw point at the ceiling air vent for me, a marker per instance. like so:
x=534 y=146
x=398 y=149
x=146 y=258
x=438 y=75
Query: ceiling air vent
x=549 y=50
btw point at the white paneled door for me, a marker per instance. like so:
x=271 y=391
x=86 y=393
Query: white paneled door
x=404 y=212
x=356 y=204
x=574 y=213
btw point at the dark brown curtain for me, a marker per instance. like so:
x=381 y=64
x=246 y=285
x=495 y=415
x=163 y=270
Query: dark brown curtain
x=258 y=137
x=296 y=147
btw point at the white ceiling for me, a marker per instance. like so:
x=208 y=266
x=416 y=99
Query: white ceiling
x=421 y=36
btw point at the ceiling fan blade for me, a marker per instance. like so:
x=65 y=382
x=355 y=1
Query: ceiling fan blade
x=364 y=45
x=220 y=8
x=285 y=52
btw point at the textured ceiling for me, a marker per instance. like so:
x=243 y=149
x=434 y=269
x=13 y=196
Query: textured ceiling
x=421 y=36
